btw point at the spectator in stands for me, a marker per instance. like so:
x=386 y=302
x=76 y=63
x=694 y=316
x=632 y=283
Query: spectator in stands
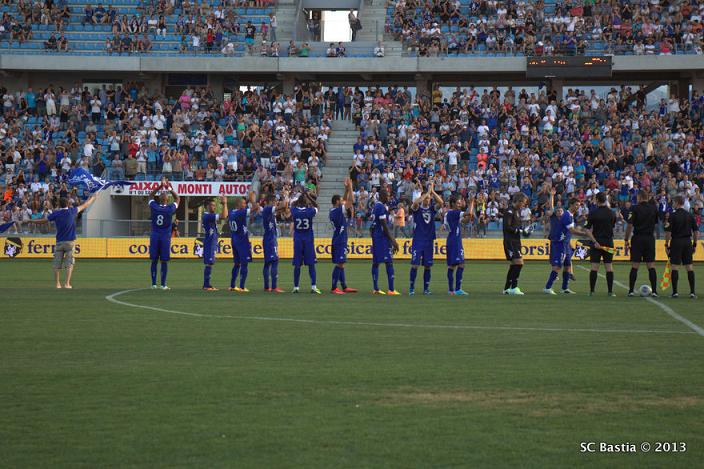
x=62 y=43
x=88 y=15
x=355 y=24
x=51 y=43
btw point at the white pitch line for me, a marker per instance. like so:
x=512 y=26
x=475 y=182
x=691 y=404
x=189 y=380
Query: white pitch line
x=113 y=299
x=671 y=312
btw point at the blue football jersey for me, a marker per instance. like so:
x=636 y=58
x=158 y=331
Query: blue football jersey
x=237 y=220
x=303 y=220
x=424 y=219
x=162 y=217
x=269 y=222
x=380 y=212
x=210 y=227
x=339 y=223
x=453 y=220
x=560 y=227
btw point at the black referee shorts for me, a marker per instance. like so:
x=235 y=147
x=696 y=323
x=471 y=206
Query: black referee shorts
x=681 y=251
x=512 y=249
x=597 y=255
x=643 y=249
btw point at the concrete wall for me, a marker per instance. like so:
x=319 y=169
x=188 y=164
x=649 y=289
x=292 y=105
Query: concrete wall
x=96 y=219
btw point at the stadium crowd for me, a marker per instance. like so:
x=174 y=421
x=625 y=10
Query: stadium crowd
x=127 y=132
x=442 y=27
x=490 y=145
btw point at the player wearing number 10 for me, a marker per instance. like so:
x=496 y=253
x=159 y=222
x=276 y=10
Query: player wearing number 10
x=303 y=212
x=241 y=247
x=160 y=241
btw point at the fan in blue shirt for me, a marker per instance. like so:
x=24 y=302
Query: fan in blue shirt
x=162 y=214
x=423 y=212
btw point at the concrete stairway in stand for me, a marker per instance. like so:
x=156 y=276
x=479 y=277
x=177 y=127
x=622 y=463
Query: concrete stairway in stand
x=340 y=152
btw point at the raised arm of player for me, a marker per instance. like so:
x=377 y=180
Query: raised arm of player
x=416 y=203
x=223 y=212
x=176 y=197
x=311 y=200
x=469 y=213
x=253 y=204
x=551 y=203
x=348 y=197
x=157 y=188
x=88 y=202
x=438 y=200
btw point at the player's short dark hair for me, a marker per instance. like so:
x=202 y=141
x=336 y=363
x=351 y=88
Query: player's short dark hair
x=270 y=198
x=63 y=202
x=453 y=200
x=678 y=200
x=601 y=198
x=207 y=201
x=643 y=196
x=519 y=197
x=335 y=199
x=572 y=201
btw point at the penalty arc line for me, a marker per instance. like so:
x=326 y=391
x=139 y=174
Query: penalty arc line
x=671 y=312
x=113 y=299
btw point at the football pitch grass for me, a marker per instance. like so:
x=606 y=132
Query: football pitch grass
x=218 y=379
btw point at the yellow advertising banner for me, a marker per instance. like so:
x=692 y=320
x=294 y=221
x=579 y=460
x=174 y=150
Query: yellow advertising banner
x=23 y=247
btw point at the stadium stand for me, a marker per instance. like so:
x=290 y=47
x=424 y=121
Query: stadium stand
x=549 y=27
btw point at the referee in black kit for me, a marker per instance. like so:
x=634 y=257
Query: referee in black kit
x=641 y=222
x=681 y=243
x=513 y=230
x=601 y=221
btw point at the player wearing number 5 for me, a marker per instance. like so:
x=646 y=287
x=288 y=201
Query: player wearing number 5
x=160 y=239
x=239 y=237
x=423 y=212
x=304 y=210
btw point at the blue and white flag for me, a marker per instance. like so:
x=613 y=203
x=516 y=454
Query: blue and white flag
x=6 y=226
x=81 y=177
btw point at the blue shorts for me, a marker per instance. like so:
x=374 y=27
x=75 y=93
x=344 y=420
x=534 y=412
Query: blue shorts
x=339 y=253
x=271 y=250
x=381 y=251
x=422 y=253
x=209 y=252
x=241 y=251
x=455 y=252
x=303 y=251
x=160 y=247
x=560 y=254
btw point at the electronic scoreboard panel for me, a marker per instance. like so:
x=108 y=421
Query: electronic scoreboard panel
x=569 y=67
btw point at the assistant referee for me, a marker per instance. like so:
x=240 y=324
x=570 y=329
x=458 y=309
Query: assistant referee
x=681 y=243
x=641 y=222
x=601 y=221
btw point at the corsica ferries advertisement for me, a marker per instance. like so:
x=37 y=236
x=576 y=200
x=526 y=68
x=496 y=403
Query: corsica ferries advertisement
x=358 y=248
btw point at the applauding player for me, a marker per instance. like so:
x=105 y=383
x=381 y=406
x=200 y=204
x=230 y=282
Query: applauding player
x=162 y=214
x=238 y=219
x=209 y=224
x=384 y=245
x=513 y=230
x=423 y=212
x=681 y=242
x=270 y=241
x=340 y=216
x=454 y=218
x=304 y=210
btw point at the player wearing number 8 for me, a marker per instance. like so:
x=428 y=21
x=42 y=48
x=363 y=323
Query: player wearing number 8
x=162 y=214
x=303 y=212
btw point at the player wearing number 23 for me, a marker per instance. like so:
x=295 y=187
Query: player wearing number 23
x=303 y=212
